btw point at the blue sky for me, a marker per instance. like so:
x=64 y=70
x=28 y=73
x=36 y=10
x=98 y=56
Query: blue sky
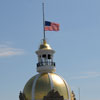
x=77 y=44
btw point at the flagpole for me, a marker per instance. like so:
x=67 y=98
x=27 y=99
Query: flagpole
x=43 y=22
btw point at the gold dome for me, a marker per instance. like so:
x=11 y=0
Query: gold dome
x=45 y=46
x=39 y=86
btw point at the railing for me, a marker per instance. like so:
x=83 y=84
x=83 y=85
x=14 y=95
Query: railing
x=45 y=63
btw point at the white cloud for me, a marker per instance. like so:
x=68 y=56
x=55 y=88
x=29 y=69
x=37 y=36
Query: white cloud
x=6 y=50
x=87 y=75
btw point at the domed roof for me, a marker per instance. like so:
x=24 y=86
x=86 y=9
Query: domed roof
x=45 y=46
x=41 y=84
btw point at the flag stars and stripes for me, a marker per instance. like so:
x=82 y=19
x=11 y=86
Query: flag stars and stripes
x=51 y=26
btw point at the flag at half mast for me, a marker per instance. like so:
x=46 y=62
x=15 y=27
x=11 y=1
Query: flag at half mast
x=51 y=26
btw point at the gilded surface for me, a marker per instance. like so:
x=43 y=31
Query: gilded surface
x=45 y=46
x=73 y=96
x=60 y=86
x=28 y=89
x=43 y=86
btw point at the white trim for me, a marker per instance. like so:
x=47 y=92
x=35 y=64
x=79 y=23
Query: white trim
x=51 y=81
x=46 y=68
x=33 y=86
x=67 y=87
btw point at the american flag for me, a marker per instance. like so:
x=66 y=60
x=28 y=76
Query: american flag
x=51 y=26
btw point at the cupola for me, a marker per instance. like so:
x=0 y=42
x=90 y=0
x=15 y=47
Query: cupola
x=45 y=58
